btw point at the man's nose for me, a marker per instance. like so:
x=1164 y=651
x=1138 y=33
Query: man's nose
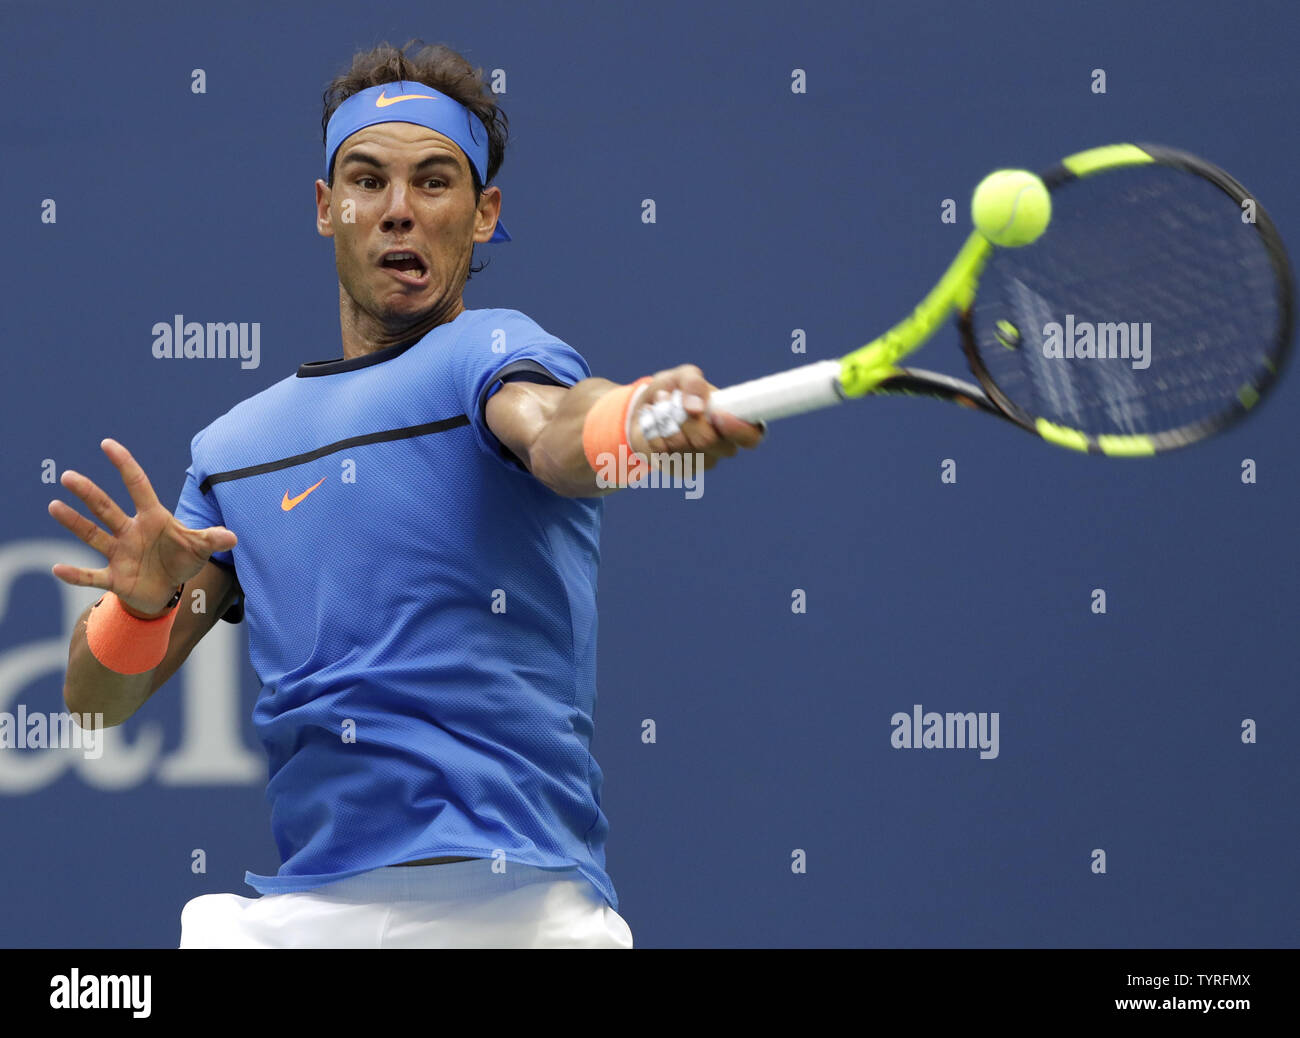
x=397 y=214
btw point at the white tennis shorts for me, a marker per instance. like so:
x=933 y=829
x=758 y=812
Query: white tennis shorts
x=461 y=904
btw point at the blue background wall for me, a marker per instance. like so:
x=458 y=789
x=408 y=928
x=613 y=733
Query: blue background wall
x=775 y=211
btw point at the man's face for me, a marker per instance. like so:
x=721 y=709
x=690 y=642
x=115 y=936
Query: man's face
x=403 y=189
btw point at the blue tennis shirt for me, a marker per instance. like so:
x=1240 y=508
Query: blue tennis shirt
x=421 y=610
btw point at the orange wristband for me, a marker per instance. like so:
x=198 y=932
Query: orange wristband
x=605 y=429
x=123 y=642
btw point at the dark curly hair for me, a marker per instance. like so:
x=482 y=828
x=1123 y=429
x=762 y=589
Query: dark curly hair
x=435 y=65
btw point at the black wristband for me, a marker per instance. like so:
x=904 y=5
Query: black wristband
x=174 y=599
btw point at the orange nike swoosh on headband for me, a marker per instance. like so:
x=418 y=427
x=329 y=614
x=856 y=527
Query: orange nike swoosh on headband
x=383 y=102
x=289 y=502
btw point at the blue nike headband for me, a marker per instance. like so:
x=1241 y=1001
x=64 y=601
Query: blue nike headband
x=418 y=104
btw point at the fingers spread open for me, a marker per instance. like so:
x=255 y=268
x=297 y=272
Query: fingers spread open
x=96 y=500
x=80 y=526
x=137 y=483
x=82 y=577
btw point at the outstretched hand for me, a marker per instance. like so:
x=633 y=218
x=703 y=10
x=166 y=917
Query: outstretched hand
x=148 y=554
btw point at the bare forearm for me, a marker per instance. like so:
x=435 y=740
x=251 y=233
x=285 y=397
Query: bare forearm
x=558 y=458
x=545 y=427
x=91 y=688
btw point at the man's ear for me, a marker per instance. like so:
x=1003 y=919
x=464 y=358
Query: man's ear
x=324 y=222
x=489 y=209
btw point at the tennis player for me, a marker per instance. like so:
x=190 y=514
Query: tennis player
x=411 y=531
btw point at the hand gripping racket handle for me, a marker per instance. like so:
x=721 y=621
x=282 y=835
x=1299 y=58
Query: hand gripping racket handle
x=790 y=392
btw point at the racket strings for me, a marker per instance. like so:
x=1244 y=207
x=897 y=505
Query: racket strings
x=1148 y=306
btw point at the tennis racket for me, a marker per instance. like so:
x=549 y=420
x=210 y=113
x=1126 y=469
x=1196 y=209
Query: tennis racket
x=1154 y=311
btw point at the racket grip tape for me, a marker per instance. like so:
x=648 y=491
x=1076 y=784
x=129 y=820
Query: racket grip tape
x=786 y=393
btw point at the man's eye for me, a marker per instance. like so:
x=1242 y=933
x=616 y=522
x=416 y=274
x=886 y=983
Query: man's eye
x=440 y=183
x=366 y=181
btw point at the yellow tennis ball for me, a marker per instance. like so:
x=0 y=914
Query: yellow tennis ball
x=1011 y=207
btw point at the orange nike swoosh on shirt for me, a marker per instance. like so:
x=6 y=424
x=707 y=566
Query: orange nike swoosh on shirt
x=289 y=502
x=383 y=102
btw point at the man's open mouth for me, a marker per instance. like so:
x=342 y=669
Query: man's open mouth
x=406 y=265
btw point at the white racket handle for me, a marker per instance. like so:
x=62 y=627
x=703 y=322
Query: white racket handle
x=778 y=396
